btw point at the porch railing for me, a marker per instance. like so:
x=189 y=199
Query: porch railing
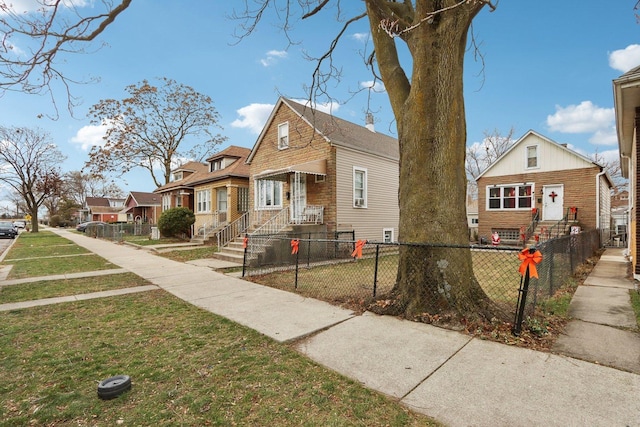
x=214 y=221
x=233 y=230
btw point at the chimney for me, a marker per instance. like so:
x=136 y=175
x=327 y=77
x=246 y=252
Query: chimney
x=369 y=122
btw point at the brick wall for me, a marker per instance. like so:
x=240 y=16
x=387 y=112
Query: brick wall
x=304 y=146
x=579 y=191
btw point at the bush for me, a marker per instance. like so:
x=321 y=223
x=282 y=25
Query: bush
x=57 y=221
x=176 y=221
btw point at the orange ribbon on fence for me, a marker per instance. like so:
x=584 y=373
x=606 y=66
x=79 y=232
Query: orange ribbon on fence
x=529 y=260
x=357 y=252
x=294 y=246
x=244 y=242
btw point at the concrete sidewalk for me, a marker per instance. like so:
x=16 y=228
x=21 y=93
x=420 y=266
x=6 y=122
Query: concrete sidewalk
x=458 y=380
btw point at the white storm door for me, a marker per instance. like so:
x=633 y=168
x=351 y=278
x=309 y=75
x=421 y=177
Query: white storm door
x=552 y=202
x=298 y=186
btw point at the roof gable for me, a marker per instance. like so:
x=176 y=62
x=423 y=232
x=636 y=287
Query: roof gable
x=335 y=131
x=551 y=157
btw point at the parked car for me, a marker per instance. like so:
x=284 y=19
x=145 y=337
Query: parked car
x=20 y=223
x=8 y=230
x=83 y=226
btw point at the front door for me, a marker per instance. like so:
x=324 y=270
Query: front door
x=221 y=204
x=552 y=202
x=298 y=188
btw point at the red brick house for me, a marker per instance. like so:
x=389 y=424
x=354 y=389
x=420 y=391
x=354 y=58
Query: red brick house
x=179 y=192
x=539 y=175
x=142 y=208
x=311 y=168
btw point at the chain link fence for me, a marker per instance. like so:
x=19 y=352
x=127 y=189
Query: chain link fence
x=330 y=269
x=116 y=232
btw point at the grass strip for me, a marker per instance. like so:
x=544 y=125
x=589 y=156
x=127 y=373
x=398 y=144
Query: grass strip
x=188 y=367
x=38 y=267
x=59 y=288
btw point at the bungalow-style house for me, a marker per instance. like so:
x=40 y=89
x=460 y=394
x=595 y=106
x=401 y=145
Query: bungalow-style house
x=142 y=208
x=626 y=97
x=106 y=209
x=179 y=192
x=538 y=176
x=309 y=168
x=216 y=191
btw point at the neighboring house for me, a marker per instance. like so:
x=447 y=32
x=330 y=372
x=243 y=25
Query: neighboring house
x=312 y=168
x=626 y=96
x=142 y=208
x=619 y=215
x=105 y=209
x=472 y=218
x=179 y=192
x=216 y=191
x=538 y=175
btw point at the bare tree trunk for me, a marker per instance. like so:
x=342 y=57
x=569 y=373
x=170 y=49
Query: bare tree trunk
x=432 y=194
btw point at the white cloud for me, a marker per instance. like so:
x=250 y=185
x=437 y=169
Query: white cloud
x=89 y=136
x=24 y=6
x=377 y=87
x=361 y=37
x=605 y=137
x=253 y=117
x=607 y=157
x=583 y=118
x=273 y=56
x=625 y=59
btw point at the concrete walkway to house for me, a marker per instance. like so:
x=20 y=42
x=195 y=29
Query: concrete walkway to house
x=456 y=379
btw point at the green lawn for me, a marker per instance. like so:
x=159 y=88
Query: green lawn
x=188 y=367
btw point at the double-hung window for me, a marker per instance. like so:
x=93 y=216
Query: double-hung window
x=516 y=196
x=166 y=202
x=532 y=157
x=359 y=187
x=203 y=201
x=283 y=135
x=268 y=194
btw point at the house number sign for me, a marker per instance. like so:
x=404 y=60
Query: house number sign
x=553 y=196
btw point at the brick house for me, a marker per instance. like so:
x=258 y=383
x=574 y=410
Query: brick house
x=538 y=175
x=142 y=208
x=216 y=191
x=106 y=209
x=314 y=169
x=626 y=96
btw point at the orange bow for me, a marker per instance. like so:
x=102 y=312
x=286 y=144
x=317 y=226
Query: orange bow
x=294 y=246
x=529 y=260
x=244 y=242
x=358 y=250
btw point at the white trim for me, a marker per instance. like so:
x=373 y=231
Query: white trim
x=359 y=202
x=283 y=136
x=526 y=156
x=384 y=232
x=516 y=196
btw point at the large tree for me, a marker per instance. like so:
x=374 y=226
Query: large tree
x=78 y=186
x=29 y=163
x=425 y=91
x=150 y=127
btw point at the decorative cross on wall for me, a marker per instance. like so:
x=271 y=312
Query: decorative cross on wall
x=553 y=196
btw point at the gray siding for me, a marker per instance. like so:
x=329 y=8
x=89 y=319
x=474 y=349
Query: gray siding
x=382 y=194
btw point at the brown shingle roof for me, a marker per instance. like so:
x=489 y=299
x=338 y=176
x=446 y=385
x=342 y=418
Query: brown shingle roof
x=96 y=201
x=344 y=133
x=145 y=199
x=236 y=169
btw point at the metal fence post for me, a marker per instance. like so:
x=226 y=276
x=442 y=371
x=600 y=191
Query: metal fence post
x=522 y=301
x=245 y=242
x=375 y=271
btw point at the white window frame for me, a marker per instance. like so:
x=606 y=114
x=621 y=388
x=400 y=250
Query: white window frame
x=283 y=136
x=360 y=194
x=221 y=202
x=519 y=199
x=384 y=235
x=166 y=202
x=537 y=156
x=203 y=201
x=268 y=194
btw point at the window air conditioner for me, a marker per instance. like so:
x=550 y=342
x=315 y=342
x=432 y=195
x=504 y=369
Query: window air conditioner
x=359 y=202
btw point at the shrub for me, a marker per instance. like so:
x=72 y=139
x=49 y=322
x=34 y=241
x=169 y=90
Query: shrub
x=176 y=221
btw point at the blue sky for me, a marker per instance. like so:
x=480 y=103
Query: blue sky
x=548 y=66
